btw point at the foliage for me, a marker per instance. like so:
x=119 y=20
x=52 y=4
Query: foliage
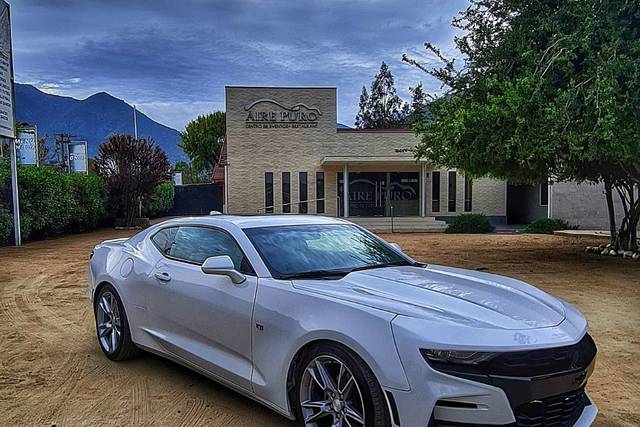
x=547 y=89
x=52 y=202
x=470 y=223
x=548 y=226
x=160 y=202
x=132 y=169
x=201 y=140
x=6 y=226
x=418 y=110
x=382 y=108
x=191 y=175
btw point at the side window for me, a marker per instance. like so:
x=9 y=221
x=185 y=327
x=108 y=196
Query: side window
x=164 y=239
x=195 y=244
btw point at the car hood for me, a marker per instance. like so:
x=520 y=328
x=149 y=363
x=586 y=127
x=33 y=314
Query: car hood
x=447 y=294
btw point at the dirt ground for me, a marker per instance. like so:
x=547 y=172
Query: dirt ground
x=53 y=372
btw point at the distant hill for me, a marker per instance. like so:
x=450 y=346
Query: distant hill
x=341 y=126
x=92 y=119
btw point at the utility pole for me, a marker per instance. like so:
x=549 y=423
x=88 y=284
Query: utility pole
x=135 y=122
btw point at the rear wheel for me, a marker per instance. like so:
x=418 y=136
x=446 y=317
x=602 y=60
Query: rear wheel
x=112 y=326
x=336 y=388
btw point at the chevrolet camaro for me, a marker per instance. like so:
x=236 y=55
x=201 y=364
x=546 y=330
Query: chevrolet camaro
x=328 y=324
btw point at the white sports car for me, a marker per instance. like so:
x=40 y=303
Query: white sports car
x=326 y=323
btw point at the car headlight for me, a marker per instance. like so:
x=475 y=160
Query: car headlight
x=456 y=357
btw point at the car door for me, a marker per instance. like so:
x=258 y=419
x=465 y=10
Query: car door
x=204 y=319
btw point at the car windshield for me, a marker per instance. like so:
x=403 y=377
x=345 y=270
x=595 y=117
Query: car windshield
x=321 y=251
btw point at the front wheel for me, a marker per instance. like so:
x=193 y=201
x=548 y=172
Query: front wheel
x=336 y=388
x=112 y=326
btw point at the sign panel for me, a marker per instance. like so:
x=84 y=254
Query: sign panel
x=27 y=146
x=271 y=114
x=7 y=128
x=78 y=158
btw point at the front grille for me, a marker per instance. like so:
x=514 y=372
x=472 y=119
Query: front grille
x=544 y=361
x=562 y=410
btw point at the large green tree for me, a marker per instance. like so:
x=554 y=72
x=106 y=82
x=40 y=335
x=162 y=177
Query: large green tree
x=201 y=140
x=382 y=107
x=549 y=88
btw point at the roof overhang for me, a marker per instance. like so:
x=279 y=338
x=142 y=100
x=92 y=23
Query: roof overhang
x=368 y=160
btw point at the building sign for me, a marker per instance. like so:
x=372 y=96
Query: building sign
x=78 y=158
x=270 y=114
x=7 y=128
x=27 y=146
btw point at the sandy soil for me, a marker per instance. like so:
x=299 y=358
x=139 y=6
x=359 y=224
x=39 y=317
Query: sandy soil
x=52 y=371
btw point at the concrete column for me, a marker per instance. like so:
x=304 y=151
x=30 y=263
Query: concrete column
x=423 y=189
x=345 y=190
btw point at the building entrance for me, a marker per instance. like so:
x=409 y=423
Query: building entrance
x=381 y=193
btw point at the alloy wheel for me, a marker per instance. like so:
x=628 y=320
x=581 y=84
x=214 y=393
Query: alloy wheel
x=330 y=395
x=109 y=322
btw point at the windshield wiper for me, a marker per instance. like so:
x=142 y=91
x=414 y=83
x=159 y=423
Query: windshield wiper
x=315 y=274
x=382 y=265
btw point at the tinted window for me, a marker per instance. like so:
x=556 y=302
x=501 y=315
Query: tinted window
x=286 y=192
x=468 y=194
x=195 y=244
x=544 y=194
x=302 y=179
x=268 y=192
x=452 y=191
x=291 y=250
x=435 y=192
x=164 y=239
x=320 y=192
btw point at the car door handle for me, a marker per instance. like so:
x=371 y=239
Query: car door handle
x=163 y=276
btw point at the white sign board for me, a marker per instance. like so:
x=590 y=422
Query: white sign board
x=27 y=146
x=78 y=158
x=7 y=128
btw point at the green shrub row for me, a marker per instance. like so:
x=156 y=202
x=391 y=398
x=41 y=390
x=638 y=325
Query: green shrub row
x=6 y=226
x=548 y=226
x=160 y=202
x=53 y=202
x=470 y=223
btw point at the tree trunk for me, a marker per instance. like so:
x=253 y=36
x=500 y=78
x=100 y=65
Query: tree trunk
x=627 y=238
x=611 y=210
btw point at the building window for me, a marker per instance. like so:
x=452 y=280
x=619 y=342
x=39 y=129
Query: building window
x=468 y=194
x=544 y=194
x=435 y=191
x=268 y=192
x=320 y=192
x=302 y=188
x=286 y=192
x=452 y=191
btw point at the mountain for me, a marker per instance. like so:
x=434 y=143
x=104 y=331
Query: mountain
x=92 y=119
x=341 y=126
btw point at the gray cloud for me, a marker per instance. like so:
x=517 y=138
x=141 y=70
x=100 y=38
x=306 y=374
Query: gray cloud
x=174 y=58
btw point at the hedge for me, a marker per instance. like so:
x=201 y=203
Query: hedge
x=6 y=226
x=548 y=226
x=160 y=202
x=470 y=223
x=53 y=202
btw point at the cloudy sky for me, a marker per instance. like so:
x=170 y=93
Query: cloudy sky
x=173 y=57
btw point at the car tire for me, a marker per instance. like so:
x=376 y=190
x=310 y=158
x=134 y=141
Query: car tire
x=372 y=407
x=112 y=325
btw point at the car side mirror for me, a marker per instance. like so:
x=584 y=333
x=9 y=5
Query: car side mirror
x=396 y=247
x=222 y=265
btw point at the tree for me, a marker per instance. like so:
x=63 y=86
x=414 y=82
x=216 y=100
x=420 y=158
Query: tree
x=132 y=168
x=418 y=111
x=201 y=140
x=547 y=89
x=382 y=107
x=363 y=118
x=190 y=175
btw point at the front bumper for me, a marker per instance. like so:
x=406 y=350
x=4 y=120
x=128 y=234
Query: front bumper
x=458 y=398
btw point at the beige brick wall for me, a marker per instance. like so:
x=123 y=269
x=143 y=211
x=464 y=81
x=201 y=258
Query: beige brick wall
x=253 y=151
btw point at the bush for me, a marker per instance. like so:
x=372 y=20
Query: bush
x=160 y=202
x=470 y=223
x=52 y=202
x=6 y=226
x=548 y=226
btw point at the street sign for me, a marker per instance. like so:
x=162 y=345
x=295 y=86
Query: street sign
x=7 y=118
x=78 y=158
x=27 y=146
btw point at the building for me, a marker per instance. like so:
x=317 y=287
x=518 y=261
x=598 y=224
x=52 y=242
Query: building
x=284 y=154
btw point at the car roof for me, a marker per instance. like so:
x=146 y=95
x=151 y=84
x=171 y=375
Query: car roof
x=254 y=221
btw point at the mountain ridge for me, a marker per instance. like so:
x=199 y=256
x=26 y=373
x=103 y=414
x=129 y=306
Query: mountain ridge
x=93 y=119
